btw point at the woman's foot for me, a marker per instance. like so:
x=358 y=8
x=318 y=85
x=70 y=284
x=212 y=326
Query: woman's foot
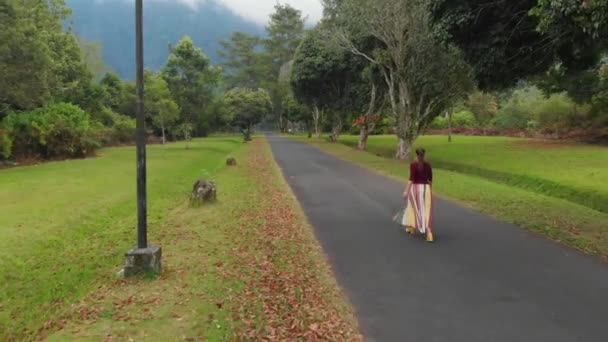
x=409 y=230
x=429 y=237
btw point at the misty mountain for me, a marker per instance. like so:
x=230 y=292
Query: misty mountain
x=112 y=23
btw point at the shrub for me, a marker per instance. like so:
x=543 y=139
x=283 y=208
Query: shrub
x=59 y=130
x=559 y=114
x=511 y=117
x=6 y=144
x=440 y=122
x=123 y=129
x=464 y=119
x=114 y=129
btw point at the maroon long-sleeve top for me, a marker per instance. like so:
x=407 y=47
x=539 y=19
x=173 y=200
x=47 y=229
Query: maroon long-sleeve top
x=421 y=174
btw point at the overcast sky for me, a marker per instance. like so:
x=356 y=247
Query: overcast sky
x=257 y=10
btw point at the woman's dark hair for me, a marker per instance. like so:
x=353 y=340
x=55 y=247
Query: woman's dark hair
x=420 y=152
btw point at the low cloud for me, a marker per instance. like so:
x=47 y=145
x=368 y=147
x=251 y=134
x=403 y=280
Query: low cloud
x=257 y=11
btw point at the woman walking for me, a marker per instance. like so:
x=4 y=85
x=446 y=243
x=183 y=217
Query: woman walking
x=418 y=196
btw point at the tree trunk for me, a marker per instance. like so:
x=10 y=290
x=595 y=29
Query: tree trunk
x=449 y=126
x=363 y=135
x=316 y=115
x=162 y=128
x=247 y=134
x=336 y=128
x=404 y=149
x=407 y=132
x=365 y=127
x=309 y=129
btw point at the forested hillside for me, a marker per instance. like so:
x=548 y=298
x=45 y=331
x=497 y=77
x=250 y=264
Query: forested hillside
x=111 y=23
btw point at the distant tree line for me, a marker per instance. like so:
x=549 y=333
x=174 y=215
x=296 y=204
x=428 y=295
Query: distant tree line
x=58 y=100
x=368 y=67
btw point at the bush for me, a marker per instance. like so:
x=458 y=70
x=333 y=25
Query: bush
x=123 y=129
x=6 y=144
x=59 y=130
x=559 y=114
x=511 y=117
x=463 y=119
x=115 y=128
x=440 y=122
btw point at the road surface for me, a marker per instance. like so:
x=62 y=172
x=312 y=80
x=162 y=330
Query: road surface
x=483 y=280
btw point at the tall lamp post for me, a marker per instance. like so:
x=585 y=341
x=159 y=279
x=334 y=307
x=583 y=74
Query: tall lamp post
x=143 y=258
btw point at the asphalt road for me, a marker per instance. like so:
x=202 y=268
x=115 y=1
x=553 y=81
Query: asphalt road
x=483 y=280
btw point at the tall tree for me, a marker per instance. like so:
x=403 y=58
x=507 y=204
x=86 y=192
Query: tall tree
x=38 y=59
x=285 y=31
x=242 y=62
x=159 y=103
x=247 y=108
x=315 y=68
x=191 y=79
x=423 y=77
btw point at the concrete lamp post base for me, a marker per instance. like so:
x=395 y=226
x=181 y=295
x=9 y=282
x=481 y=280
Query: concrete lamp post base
x=142 y=260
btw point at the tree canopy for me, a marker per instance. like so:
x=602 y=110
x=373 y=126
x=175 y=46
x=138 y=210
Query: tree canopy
x=507 y=41
x=247 y=108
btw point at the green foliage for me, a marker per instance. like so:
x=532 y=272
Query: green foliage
x=191 y=79
x=113 y=89
x=503 y=42
x=242 y=61
x=295 y=111
x=285 y=31
x=440 y=122
x=59 y=130
x=38 y=60
x=589 y=17
x=464 y=118
x=159 y=104
x=484 y=106
x=325 y=76
x=559 y=114
x=247 y=107
x=122 y=129
x=6 y=144
x=183 y=131
x=423 y=76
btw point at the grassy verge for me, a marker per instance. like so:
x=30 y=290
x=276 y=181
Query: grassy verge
x=65 y=226
x=569 y=171
x=575 y=225
x=244 y=268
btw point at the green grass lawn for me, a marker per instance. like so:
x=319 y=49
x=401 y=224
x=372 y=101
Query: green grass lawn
x=65 y=224
x=573 y=224
x=246 y=267
x=575 y=172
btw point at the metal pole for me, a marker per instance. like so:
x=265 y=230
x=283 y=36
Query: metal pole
x=142 y=234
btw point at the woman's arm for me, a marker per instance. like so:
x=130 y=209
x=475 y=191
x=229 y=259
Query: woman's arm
x=407 y=190
x=409 y=182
